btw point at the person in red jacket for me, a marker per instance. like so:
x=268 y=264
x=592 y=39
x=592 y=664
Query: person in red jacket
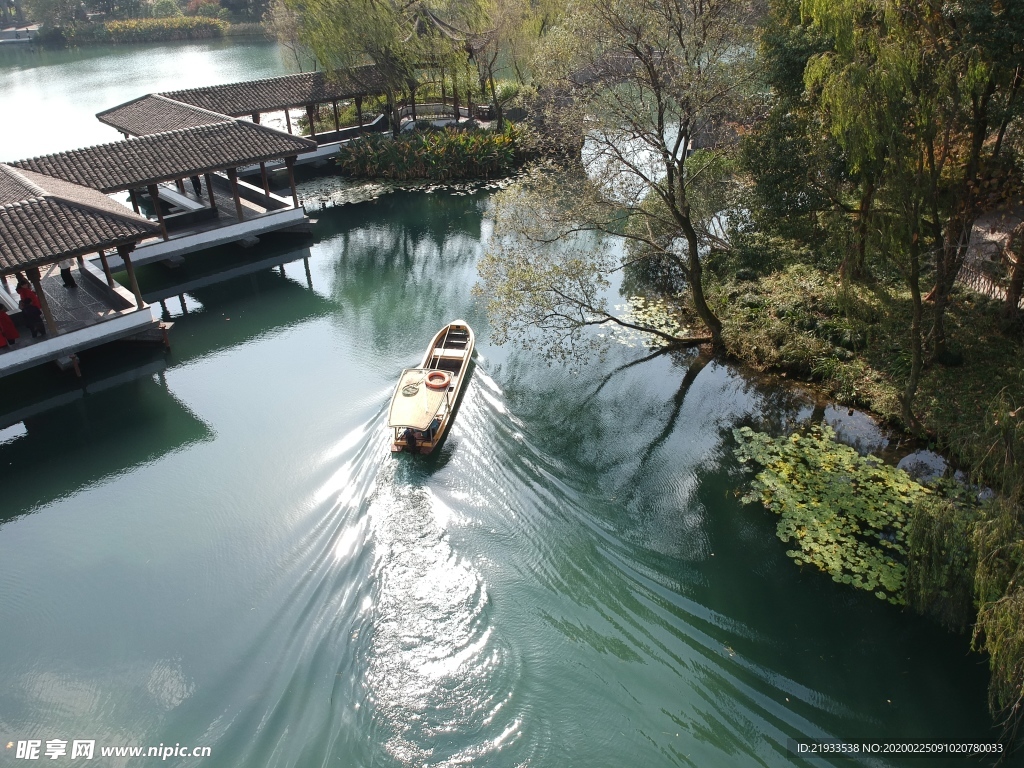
x=8 y=333
x=26 y=292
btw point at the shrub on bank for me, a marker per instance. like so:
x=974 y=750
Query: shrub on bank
x=161 y=30
x=440 y=155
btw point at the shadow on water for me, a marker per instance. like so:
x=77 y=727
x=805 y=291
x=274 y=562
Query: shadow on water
x=79 y=437
x=677 y=574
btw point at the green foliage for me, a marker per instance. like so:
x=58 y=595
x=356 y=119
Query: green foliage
x=1001 y=624
x=786 y=192
x=942 y=561
x=846 y=513
x=999 y=542
x=158 y=30
x=166 y=9
x=441 y=155
x=541 y=286
x=53 y=14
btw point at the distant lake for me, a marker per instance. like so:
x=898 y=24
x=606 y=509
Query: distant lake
x=49 y=98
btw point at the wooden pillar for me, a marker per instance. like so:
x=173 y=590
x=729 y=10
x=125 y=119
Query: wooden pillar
x=209 y=191
x=290 y=162
x=155 y=196
x=311 y=116
x=288 y=119
x=123 y=251
x=233 y=178
x=106 y=269
x=359 y=112
x=337 y=124
x=181 y=185
x=51 y=326
x=135 y=200
x=309 y=275
x=184 y=306
x=256 y=117
x=266 y=181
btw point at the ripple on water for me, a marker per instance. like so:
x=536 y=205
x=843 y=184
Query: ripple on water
x=439 y=678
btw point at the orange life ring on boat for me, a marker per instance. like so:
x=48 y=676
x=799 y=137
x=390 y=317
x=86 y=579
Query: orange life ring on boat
x=438 y=379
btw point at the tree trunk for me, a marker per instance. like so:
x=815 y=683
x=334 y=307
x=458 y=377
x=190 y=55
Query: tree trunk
x=394 y=115
x=910 y=421
x=694 y=273
x=693 y=268
x=948 y=261
x=854 y=266
x=497 y=107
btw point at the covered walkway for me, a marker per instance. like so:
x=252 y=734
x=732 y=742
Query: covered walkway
x=187 y=178
x=251 y=98
x=44 y=221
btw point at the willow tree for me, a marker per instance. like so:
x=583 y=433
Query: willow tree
x=346 y=35
x=639 y=84
x=284 y=25
x=961 y=64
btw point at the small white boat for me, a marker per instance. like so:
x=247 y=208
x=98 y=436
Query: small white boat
x=423 y=406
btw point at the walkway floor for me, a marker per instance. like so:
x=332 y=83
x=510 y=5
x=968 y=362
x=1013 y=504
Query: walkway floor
x=72 y=308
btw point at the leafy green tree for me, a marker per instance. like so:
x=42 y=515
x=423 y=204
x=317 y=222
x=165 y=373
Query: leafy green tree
x=960 y=64
x=347 y=34
x=640 y=82
x=55 y=14
x=163 y=9
x=398 y=38
x=798 y=171
x=283 y=23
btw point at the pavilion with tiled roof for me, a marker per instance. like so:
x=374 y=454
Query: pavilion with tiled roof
x=178 y=154
x=147 y=161
x=276 y=93
x=44 y=220
x=193 y=107
x=154 y=113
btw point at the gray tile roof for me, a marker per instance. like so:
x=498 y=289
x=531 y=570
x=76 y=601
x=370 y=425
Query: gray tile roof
x=154 y=113
x=43 y=220
x=170 y=155
x=238 y=99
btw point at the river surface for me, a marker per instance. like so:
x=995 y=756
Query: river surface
x=214 y=547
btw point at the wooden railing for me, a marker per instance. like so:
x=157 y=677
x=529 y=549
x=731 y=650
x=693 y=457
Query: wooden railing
x=984 y=284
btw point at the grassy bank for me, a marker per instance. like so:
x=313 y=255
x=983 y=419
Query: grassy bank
x=852 y=342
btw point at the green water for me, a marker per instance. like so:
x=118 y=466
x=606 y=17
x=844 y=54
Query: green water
x=214 y=547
